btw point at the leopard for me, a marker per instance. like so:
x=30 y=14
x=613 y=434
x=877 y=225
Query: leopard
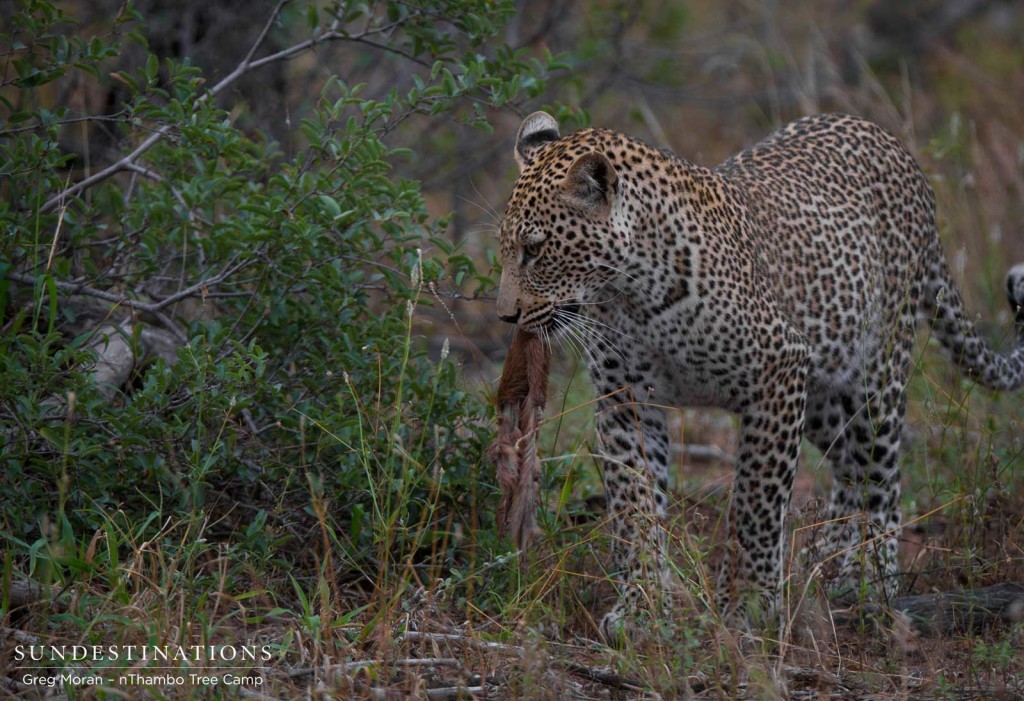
x=785 y=285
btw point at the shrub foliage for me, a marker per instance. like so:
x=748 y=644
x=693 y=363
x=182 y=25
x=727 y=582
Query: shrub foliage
x=197 y=324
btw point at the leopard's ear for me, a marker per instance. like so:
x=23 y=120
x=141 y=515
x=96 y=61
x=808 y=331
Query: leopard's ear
x=590 y=184
x=535 y=131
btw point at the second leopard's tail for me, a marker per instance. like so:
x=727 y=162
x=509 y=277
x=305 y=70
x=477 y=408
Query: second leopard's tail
x=942 y=306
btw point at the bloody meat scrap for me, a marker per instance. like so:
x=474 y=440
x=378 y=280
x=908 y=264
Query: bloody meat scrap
x=522 y=393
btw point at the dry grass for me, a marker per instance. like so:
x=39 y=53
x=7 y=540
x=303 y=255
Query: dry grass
x=494 y=632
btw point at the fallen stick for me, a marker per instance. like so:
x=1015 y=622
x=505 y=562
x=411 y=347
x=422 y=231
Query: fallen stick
x=605 y=677
x=601 y=675
x=406 y=662
x=455 y=692
x=947 y=613
x=478 y=643
x=965 y=610
x=522 y=393
x=22 y=593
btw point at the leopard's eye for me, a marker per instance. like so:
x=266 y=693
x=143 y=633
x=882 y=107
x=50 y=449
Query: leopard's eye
x=531 y=250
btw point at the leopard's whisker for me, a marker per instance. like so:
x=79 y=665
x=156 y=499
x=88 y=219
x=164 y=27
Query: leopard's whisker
x=607 y=300
x=490 y=208
x=492 y=214
x=559 y=332
x=622 y=272
x=592 y=327
x=490 y=230
x=582 y=330
x=580 y=335
x=589 y=320
x=548 y=339
x=564 y=330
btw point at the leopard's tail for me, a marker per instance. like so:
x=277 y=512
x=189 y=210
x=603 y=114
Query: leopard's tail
x=941 y=305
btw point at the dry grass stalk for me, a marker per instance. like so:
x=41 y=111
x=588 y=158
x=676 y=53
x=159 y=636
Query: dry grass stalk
x=522 y=394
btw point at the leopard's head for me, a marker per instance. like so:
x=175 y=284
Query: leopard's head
x=562 y=231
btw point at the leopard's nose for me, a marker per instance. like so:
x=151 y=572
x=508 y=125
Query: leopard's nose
x=511 y=318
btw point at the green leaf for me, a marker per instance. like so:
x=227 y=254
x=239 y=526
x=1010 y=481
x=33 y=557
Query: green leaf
x=331 y=205
x=152 y=68
x=53 y=437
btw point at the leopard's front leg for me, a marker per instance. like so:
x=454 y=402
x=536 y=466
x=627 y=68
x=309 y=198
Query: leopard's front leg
x=772 y=424
x=633 y=449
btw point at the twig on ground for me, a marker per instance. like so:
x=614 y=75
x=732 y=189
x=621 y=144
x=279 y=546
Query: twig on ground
x=602 y=676
x=405 y=662
x=250 y=694
x=22 y=593
x=348 y=667
x=595 y=674
x=952 y=612
x=21 y=636
x=415 y=635
x=454 y=692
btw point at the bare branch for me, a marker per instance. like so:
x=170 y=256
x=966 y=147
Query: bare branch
x=155 y=308
x=247 y=65
x=189 y=212
x=390 y=49
x=266 y=28
x=146 y=172
x=108 y=171
x=117 y=117
x=169 y=324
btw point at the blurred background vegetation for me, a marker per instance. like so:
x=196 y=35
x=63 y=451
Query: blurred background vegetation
x=248 y=249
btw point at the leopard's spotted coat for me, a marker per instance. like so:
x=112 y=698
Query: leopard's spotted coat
x=784 y=285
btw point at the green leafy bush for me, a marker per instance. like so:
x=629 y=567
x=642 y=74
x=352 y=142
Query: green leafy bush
x=267 y=301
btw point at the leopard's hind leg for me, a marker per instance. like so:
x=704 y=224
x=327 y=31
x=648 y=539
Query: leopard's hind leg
x=858 y=429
